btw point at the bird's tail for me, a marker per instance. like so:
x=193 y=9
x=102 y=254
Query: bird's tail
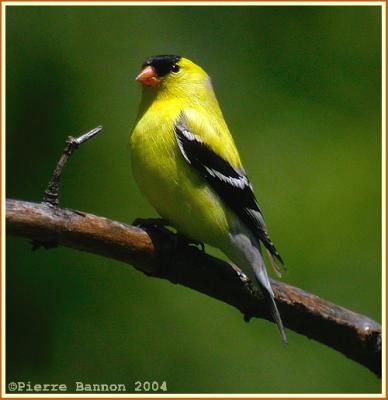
x=275 y=314
x=266 y=289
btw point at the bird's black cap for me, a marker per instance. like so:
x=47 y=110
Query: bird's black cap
x=162 y=64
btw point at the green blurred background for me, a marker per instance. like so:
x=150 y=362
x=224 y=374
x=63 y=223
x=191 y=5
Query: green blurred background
x=300 y=88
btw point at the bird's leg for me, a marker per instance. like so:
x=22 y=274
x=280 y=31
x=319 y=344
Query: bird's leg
x=182 y=240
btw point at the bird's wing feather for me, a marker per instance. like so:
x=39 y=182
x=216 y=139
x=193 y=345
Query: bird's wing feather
x=231 y=184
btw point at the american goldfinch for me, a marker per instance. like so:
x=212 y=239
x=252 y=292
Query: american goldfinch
x=186 y=163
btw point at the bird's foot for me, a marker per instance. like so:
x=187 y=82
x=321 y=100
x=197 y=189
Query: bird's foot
x=162 y=224
x=153 y=224
x=182 y=240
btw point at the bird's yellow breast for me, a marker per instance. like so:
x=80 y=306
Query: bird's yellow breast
x=167 y=180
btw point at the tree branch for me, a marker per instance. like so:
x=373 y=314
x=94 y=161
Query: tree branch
x=156 y=254
x=51 y=194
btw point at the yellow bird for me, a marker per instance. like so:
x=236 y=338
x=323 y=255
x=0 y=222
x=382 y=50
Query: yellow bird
x=186 y=163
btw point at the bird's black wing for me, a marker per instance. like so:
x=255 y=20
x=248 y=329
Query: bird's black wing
x=231 y=185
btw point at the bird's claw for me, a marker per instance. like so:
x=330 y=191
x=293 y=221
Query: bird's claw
x=153 y=224
x=161 y=225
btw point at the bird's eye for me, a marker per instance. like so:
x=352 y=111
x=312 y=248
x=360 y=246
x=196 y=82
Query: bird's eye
x=175 y=68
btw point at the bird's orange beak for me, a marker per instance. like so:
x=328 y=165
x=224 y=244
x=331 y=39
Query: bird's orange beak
x=148 y=77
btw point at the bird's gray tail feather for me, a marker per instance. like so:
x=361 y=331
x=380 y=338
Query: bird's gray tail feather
x=266 y=289
x=275 y=314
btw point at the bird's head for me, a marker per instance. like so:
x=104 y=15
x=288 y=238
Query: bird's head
x=173 y=74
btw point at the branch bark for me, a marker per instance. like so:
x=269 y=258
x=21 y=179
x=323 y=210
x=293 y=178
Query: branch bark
x=156 y=253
